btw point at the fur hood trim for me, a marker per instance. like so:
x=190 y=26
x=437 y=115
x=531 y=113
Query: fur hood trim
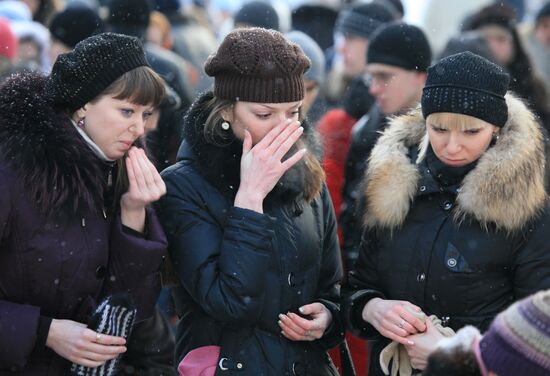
x=54 y=164
x=505 y=189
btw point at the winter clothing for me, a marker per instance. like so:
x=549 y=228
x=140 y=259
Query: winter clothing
x=468 y=41
x=274 y=76
x=258 y=14
x=364 y=136
x=129 y=16
x=312 y=50
x=401 y=45
x=239 y=269
x=518 y=341
x=362 y=19
x=317 y=21
x=101 y=60
x=8 y=40
x=467 y=84
x=75 y=23
x=62 y=248
x=544 y=11
x=460 y=246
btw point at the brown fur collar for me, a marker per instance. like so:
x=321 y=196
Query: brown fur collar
x=505 y=189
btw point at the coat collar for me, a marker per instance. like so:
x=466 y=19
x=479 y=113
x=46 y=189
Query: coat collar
x=53 y=163
x=505 y=189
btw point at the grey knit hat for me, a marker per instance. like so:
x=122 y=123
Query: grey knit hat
x=258 y=65
x=82 y=74
x=312 y=50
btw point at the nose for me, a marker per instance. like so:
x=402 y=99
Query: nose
x=138 y=127
x=375 y=88
x=453 y=145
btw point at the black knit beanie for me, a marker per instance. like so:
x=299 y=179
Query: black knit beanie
x=362 y=19
x=75 y=23
x=129 y=17
x=468 y=84
x=258 y=65
x=401 y=45
x=259 y=14
x=82 y=74
x=544 y=11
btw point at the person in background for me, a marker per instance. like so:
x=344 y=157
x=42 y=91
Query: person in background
x=75 y=220
x=497 y=24
x=73 y=24
x=257 y=14
x=8 y=48
x=456 y=212
x=314 y=76
x=517 y=343
x=537 y=42
x=250 y=225
x=398 y=57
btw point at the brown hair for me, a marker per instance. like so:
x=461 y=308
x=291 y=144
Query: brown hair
x=213 y=133
x=140 y=85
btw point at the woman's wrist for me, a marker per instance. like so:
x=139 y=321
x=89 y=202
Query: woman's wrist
x=133 y=218
x=251 y=201
x=368 y=309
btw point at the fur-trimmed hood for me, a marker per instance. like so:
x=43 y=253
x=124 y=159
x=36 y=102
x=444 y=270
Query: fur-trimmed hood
x=220 y=163
x=505 y=189
x=42 y=147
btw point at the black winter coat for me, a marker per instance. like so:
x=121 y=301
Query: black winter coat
x=462 y=252
x=240 y=269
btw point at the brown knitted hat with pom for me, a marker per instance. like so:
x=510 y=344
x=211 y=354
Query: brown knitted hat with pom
x=258 y=65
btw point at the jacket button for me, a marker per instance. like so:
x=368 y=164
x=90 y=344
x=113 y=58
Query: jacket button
x=421 y=277
x=451 y=262
x=447 y=205
x=422 y=188
x=101 y=272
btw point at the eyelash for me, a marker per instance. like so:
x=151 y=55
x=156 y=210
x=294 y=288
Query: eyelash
x=129 y=112
x=266 y=116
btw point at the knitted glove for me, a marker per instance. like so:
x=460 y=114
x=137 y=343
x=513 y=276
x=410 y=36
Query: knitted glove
x=115 y=317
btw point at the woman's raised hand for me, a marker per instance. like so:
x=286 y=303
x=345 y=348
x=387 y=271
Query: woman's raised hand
x=262 y=165
x=78 y=344
x=393 y=320
x=145 y=186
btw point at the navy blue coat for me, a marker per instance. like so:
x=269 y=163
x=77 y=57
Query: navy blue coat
x=239 y=269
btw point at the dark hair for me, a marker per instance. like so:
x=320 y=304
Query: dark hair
x=458 y=362
x=140 y=85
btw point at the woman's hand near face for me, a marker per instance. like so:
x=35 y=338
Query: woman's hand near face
x=297 y=328
x=76 y=343
x=393 y=320
x=261 y=165
x=145 y=186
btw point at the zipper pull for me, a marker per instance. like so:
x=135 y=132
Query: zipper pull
x=110 y=178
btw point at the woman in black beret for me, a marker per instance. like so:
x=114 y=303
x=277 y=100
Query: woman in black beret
x=249 y=221
x=456 y=213
x=75 y=225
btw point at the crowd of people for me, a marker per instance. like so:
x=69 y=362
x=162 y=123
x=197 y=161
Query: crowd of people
x=271 y=185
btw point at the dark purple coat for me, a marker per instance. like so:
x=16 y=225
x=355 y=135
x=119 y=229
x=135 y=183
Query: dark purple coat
x=57 y=261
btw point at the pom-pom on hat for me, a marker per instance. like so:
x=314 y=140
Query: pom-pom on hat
x=258 y=65
x=96 y=62
x=468 y=84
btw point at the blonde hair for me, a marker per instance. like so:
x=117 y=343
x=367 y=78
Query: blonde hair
x=454 y=121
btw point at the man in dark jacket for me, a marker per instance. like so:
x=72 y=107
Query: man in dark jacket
x=398 y=56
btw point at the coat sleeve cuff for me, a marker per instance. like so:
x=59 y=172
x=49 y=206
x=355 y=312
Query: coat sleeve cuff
x=352 y=312
x=18 y=333
x=334 y=334
x=42 y=332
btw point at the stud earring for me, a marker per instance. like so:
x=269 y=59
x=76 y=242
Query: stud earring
x=81 y=123
x=225 y=125
x=495 y=136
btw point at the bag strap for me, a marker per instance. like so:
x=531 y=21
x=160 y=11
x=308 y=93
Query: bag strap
x=348 y=369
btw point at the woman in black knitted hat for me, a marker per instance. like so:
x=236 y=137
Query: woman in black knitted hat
x=456 y=213
x=250 y=225
x=74 y=193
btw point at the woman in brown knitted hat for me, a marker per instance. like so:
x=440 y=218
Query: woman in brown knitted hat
x=75 y=226
x=250 y=224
